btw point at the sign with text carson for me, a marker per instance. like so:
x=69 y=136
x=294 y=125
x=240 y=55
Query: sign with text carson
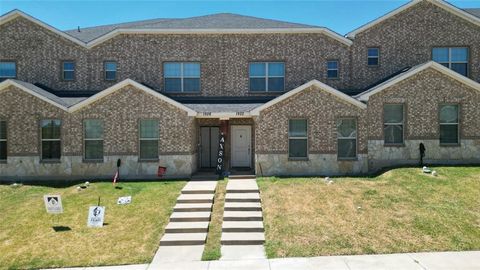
x=221 y=153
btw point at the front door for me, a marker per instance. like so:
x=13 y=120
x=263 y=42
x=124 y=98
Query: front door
x=241 y=146
x=209 y=146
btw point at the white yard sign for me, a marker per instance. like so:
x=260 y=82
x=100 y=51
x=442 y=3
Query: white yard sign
x=53 y=204
x=96 y=214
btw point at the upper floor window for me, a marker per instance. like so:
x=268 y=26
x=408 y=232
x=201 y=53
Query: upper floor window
x=149 y=136
x=8 y=69
x=332 y=69
x=267 y=76
x=297 y=138
x=68 y=70
x=51 y=142
x=3 y=140
x=373 y=57
x=347 y=138
x=453 y=58
x=110 y=68
x=182 y=77
x=449 y=124
x=93 y=139
x=393 y=123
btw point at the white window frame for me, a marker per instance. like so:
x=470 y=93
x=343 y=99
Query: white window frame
x=450 y=62
x=15 y=64
x=335 y=69
x=182 y=77
x=297 y=138
x=85 y=139
x=5 y=140
x=266 y=77
x=394 y=124
x=110 y=70
x=50 y=140
x=440 y=124
x=377 y=57
x=339 y=138
x=68 y=70
x=140 y=139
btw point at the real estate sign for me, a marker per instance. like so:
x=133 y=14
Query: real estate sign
x=53 y=204
x=96 y=215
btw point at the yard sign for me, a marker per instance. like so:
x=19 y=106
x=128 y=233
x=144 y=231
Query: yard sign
x=96 y=214
x=53 y=204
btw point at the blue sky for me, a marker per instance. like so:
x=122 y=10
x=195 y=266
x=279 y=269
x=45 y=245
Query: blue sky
x=340 y=16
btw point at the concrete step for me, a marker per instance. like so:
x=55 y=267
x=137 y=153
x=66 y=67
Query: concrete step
x=192 y=207
x=243 y=206
x=242 y=186
x=187 y=227
x=204 y=177
x=250 y=238
x=195 y=198
x=183 y=239
x=242 y=226
x=242 y=197
x=242 y=176
x=200 y=187
x=190 y=216
x=242 y=216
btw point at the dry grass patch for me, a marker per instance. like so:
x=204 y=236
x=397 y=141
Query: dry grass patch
x=131 y=235
x=402 y=210
x=212 y=247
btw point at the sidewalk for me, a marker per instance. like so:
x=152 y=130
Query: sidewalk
x=466 y=260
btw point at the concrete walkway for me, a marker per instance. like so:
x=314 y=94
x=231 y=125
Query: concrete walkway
x=467 y=260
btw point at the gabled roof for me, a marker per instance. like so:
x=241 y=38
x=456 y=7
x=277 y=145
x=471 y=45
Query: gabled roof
x=440 y=3
x=223 y=23
x=321 y=86
x=414 y=70
x=133 y=83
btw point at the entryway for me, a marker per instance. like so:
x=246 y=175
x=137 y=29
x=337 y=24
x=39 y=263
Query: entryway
x=208 y=146
x=241 y=153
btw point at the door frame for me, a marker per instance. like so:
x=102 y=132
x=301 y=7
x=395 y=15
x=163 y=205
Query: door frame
x=232 y=127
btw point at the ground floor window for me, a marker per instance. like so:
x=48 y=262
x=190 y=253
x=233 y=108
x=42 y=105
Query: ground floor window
x=93 y=139
x=149 y=136
x=51 y=142
x=297 y=138
x=3 y=140
x=393 y=123
x=347 y=138
x=449 y=124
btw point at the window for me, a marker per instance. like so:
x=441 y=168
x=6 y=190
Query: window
x=297 y=138
x=373 y=56
x=332 y=69
x=110 y=70
x=149 y=139
x=3 y=140
x=93 y=139
x=51 y=139
x=182 y=77
x=453 y=58
x=68 y=70
x=393 y=123
x=267 y=77
x=449 y=124
x=8 y=69
x=347 y=138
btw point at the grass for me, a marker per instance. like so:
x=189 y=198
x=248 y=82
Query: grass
x=212 y=247
x=403 y=210
x=131 y=235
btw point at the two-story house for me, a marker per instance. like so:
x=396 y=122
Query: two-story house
x=291 y=99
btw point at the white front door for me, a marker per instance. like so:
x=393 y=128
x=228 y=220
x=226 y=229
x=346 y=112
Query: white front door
x=241 y=146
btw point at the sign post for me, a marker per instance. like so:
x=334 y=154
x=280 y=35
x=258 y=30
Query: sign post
x=221 y=154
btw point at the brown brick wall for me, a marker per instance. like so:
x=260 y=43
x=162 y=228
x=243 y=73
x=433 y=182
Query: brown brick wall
x=321 y=110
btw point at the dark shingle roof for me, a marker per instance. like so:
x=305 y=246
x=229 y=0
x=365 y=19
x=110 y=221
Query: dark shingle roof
x=473 y=11
x=214 y=21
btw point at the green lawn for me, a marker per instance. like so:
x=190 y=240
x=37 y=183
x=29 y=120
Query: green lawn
x=212 y=247
x=131 y=235
x=403 y=210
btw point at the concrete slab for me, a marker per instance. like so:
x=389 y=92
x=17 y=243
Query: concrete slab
x=242 y=216
x=192 y=207
x=381 y=262
x=183 y=239
x=240 y=265
x=242 y=197
x=249 y=238
x=195 y=198
x=317 y=263
x=190 y=216
x=200 y=187
x=465 y=260
x=241 y=252
x=196 y=265
x=178 y=254
x=187 y=227
x=120 y=267
x=243 y=206
x=242 y=226
x=242 y=186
